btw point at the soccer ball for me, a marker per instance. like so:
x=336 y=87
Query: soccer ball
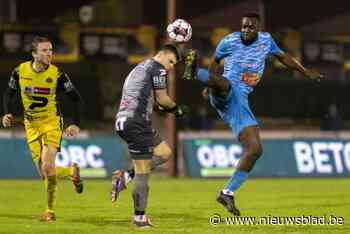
x=179 y=31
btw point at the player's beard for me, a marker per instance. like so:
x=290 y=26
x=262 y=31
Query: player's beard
x=247 y=39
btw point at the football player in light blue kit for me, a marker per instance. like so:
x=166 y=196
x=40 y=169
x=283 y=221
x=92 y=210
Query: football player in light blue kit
x=244 y=54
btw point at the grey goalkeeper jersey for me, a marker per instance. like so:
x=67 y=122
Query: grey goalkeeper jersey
x=138 y=89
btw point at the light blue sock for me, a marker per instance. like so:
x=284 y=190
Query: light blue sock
x=236 y=180
x=203 y=75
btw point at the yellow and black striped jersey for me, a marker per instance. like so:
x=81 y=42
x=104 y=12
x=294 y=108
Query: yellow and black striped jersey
x=38 y=90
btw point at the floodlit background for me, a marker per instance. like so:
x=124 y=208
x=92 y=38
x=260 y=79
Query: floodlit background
x=304 y=124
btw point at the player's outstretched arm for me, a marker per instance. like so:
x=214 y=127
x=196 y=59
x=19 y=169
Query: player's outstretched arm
x=210 y=79
x=8 y=119
x=77 y=101
x=214 y=66
x=294 y=64
x=74 y=129
x=65 y=84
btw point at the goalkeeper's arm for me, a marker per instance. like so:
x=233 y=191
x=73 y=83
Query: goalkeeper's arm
x=166 y=104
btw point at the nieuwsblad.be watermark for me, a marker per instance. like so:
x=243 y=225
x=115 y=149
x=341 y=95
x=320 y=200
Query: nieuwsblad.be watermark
x=217 y=219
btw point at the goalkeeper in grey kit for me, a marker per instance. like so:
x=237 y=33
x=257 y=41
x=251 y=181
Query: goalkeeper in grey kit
x=144 y=86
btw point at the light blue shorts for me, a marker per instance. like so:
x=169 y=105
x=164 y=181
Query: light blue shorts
x=234 y=109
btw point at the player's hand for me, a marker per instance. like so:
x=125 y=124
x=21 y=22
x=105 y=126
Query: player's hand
x=314 y=75
x=72 y=130
x=205 y=94
x=181 y=110
x=7 y=120
x=159 y=108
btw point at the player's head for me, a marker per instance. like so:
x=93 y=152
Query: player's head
x=250 y=26
x=42 y=50
x=168 y=55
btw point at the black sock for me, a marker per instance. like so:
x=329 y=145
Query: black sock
x=131 y=173
x=137 y=212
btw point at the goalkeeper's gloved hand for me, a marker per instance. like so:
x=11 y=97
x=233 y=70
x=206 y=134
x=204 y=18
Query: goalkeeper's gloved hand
x=181 y=110
x=159 y=108
x=178 y=111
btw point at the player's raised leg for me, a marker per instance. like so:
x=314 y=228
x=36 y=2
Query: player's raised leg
x=76 y=180
x=74 y=173
x=161 y=154
x=219 y=84
x=120 y=178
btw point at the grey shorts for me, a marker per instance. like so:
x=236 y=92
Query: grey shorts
x=140 y=137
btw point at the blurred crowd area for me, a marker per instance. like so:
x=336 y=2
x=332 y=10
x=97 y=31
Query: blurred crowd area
x=98 y=42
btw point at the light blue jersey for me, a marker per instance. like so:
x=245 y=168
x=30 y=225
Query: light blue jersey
x=244 y=63
x=243 y=67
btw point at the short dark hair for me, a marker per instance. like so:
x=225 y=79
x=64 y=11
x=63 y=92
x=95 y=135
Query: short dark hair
x=36 y=40
x=252 y=15
x=173 y=49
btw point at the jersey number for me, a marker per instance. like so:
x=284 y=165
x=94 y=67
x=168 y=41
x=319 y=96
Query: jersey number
x=119 y=124
x=40 y=102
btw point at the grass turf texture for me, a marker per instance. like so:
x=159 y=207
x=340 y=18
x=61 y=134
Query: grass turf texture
x=175 y=206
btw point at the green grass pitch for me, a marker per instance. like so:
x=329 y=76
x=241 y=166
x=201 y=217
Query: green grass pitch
x=175 y=206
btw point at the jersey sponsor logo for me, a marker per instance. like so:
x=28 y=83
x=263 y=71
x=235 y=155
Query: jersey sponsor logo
x=250 y=79
x=49 y=80
x=38 y=102
x=260 y=47
x=28 y=89
x=36 y=90
x=158 y=80
x=219 y=156
x=322 y=157
x=250 y=65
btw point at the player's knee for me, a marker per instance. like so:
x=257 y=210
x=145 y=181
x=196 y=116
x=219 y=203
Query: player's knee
x=48 y=168
x=167 y=153
x=163 y=150
x=50 y=150
x=142 y=166
x=255 y=149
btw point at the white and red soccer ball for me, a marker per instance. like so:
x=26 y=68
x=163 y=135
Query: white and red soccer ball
x=179 y=31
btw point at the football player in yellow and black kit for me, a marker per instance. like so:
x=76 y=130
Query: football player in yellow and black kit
x=38 y=83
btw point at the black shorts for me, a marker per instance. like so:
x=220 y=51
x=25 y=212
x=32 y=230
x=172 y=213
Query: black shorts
x=139 y=135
